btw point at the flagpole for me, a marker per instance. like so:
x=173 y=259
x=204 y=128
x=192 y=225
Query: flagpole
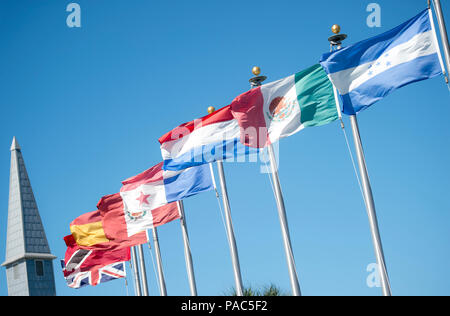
x=370 y=206
x=336 y=41
x=443 y=31
x=143 y=270
x=162 y=282
x=187 y=250
x=255 y=82
x=229 y=224
x=137 y=282
x=230 y=230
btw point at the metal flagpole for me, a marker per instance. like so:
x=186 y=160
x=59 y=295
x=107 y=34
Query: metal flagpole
x=187 y=250
x=336 y=41
x=143 y=270
x=137 y=281
x=162 y=282
x=370 y=206
x=230 y=230
x=443 y=31
x=229 y=225
x=255 y=82
x=284 y=225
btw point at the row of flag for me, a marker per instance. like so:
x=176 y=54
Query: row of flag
x=362 y=73
x=347 y=80
x=104 y=237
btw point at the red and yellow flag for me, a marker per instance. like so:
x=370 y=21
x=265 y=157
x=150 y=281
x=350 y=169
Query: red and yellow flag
x=89 y=232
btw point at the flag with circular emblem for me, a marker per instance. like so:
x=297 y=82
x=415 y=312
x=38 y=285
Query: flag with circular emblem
x=147 y=200
x=284 y=107
x=94 y=232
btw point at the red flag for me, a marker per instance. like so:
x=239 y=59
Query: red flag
x=113 y=217
x=89 y=232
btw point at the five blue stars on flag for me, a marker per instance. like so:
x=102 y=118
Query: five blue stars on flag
x=377 y=64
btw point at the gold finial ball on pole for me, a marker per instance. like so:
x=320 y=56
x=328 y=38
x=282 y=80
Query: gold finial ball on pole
x=336 y=29
x=211 y=109
x=256 y=71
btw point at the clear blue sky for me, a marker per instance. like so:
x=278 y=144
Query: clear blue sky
x=88 y=104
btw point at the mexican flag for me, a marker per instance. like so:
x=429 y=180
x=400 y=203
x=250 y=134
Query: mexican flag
x=284 y=107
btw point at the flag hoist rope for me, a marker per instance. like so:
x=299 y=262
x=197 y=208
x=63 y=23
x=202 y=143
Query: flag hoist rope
x=338 y=108
x=353 y=163
x=218 y=201
x=154 y=267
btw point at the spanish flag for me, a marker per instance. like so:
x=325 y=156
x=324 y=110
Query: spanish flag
x=88 y=231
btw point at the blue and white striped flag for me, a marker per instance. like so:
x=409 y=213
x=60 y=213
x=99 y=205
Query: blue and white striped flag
x=369 y=70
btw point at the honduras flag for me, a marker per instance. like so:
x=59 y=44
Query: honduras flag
x=369 y=70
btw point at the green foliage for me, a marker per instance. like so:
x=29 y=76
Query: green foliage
x=271 y=290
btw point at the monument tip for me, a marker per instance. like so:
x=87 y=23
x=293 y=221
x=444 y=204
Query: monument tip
x=15 y=144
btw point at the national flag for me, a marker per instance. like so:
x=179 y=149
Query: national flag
x=89 y=232
x=77 y=279
x=282 y=108
x=83 y=267
x=254 y=119
x=122 y=224
x=369 y=70
x=149 y=198
x=211 y=138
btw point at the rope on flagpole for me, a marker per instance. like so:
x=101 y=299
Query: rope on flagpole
x=188 y=242
x=338 y=107
x=291 y=254
x=153 y=263
x=218 y=202
x=354 y=165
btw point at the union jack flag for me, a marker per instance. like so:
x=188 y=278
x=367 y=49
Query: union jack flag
x=83 y=267
x=77 y=279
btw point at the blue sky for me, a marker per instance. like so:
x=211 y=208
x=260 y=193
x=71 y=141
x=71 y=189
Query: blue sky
x=88 y=104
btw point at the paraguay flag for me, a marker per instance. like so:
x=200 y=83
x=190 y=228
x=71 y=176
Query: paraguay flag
x=215 y=137
x=369 y=70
